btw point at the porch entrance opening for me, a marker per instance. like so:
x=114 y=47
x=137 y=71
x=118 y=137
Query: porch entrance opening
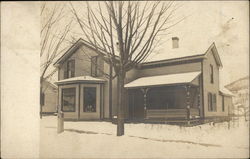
x=163 y=102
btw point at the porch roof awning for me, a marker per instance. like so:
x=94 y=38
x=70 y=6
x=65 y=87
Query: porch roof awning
x=170 y=79
x=82 y=79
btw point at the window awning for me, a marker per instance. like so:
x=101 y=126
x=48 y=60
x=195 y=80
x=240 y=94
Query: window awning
x=170 y=79
x=80 y=79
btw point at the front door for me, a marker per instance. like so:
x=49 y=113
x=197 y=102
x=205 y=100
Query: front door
x=136 y=105
x=89 y=101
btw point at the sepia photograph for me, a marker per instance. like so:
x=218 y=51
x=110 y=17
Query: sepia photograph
x=125 y=79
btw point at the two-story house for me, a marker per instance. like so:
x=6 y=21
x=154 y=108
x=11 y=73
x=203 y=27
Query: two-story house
x=180 y=84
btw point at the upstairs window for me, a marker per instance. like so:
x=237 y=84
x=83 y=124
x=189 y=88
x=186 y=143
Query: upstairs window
x=94 y=66
x=211 y=74
x=97 y=65
x=69 y=69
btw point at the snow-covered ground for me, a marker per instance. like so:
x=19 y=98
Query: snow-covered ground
x=98 y=140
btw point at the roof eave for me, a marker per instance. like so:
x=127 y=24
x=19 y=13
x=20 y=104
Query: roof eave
x=78 y=81
x=160 y=85
x=70 y=50
x=75 y=46
x=216 y=54
x=225 y=94
x=202 y=56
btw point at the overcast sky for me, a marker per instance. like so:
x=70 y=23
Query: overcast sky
x=227 y=24
x=224 y=22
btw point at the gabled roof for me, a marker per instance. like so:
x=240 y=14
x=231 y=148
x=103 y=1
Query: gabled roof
x=181 y=54
x=167 y=55
x=80 y=42
x=225 y=92
x=48 y=83
x=240 y=84
x=161 y=80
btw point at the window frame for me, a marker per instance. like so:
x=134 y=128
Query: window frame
x=84 y=100
x=69 y=67
x=93 y=65
x=212 y=102
x=210 y=107
x=62 y=95
x=214 y=99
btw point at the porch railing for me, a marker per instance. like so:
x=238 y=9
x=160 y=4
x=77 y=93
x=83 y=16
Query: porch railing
x=171 y=113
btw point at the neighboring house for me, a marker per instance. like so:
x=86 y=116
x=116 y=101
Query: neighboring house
x=227 y=100
x=49 y=97
x=240 y=88
x=178 y=84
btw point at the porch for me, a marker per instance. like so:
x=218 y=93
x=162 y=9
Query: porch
x=165 y=101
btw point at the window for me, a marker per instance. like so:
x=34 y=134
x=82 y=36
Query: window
x=94 y=66
x=212 y=102
x=69 y=69
x=89 y=97
x=223 y=104
x=68 y=99
x=211 y=74
x=97 y=65
x=42 y=99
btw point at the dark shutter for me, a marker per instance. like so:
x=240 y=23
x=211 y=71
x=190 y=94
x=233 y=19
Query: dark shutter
x=42 y=99
x=209 y=106
x=65 y=71
x=211 y=74
x=214 y=102
x=210 y=102
x=100 y=66
x=94 y=66
x=72 y=68
x=223 y=104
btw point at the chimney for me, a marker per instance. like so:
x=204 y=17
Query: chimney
x=175 y=41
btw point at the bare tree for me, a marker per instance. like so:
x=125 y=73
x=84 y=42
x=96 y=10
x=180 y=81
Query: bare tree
x=127 y=32
x=52 y=39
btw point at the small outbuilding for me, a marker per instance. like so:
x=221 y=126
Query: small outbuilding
x=49 y=97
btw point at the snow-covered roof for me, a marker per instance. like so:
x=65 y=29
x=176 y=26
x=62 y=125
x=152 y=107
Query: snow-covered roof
x=180 y=78
x=226 y=92
x=176 y=53
x=167 y=53
x=87 y=79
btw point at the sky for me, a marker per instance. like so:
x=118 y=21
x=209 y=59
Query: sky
x=224 y=22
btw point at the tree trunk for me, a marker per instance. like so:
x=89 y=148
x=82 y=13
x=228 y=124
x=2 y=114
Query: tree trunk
x=120 y=110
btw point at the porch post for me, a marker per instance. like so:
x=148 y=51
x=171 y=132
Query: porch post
x=198 y=101
x=144 y=91
x=188 y=103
